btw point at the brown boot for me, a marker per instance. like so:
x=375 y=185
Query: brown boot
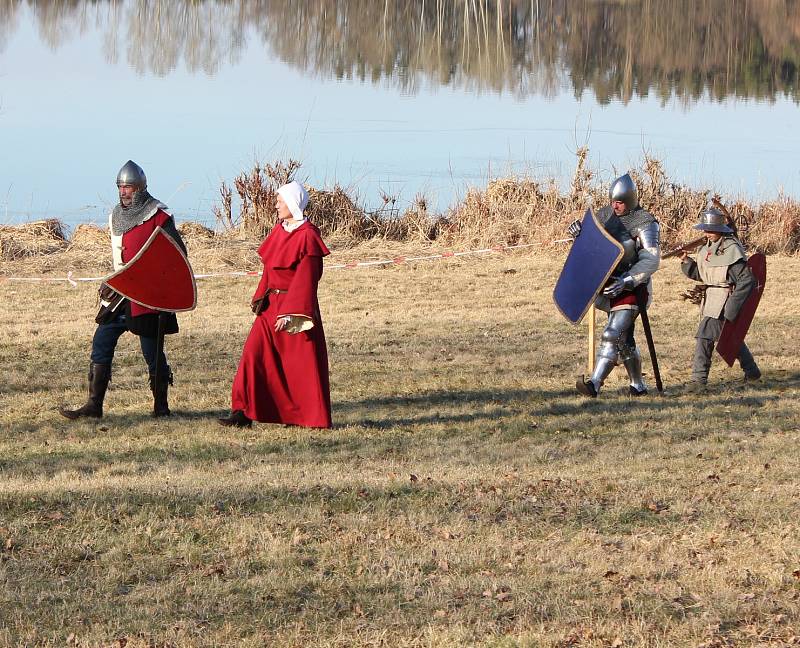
x=160 y=394
x=99 y=377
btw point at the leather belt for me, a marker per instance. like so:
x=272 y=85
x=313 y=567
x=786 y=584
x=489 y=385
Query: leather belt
x=275 y=291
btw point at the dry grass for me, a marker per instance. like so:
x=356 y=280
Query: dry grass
x=31 y=239
x=466 y=495
x=508 y=211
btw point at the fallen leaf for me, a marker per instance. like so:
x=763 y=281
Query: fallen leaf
x=503 y=596
x=439 y=614
x=616 y=643
x=414 y=478
x=610 y=574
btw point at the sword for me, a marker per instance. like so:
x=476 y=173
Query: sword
x=648 y=334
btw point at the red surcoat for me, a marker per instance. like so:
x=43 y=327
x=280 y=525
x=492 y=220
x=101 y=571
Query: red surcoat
x=282 y=377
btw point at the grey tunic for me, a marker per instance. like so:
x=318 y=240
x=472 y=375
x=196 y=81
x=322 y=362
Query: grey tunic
x=742 y=282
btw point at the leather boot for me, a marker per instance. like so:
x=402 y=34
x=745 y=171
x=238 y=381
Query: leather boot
x=161 y=393
x=99 y=377
x=236 y=419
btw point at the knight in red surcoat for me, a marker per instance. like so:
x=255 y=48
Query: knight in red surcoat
x=131 y=222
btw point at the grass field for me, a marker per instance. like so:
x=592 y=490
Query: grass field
x=466 y=495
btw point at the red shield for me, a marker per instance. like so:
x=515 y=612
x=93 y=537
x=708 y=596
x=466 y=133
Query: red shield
x=733 y=333
x=158 y=277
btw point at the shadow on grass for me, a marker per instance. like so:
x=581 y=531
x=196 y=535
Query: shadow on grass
x=541 y=502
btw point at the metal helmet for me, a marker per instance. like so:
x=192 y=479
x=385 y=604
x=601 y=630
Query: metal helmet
x=713 y=220
x=132 y=174
x=624 y=190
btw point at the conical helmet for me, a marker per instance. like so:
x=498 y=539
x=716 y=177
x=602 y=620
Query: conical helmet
x=713 y=220
x=132 y=174
x=624 y=190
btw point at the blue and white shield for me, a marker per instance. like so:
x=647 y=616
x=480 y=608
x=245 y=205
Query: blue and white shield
x=590 y=262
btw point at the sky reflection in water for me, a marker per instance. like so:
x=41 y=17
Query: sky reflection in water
x=81 y=92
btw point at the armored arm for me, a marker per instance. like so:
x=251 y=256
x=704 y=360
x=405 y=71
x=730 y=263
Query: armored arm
x=648 y=242
x=743 y=281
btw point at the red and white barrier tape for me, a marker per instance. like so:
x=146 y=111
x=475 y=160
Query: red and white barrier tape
x=73 y=281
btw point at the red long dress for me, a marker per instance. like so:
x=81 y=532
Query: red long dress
x=282 y=377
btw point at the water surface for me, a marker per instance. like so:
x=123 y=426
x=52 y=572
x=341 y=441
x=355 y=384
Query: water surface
x=400 y=97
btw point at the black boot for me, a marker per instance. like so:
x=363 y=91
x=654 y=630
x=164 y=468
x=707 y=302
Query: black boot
x=236 y=419
x=160 y=393
x=99 y=377
x=586 y=387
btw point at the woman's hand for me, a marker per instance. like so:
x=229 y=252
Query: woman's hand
x=282 y=323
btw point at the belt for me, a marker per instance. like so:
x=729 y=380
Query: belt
x=275 y=291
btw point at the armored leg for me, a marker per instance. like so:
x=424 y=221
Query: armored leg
x=748 y=364
x=632 y=360
x=701 y=365
x=608 y=352
x=99 y=377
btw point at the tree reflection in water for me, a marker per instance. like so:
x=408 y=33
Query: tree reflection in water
x=616 y=51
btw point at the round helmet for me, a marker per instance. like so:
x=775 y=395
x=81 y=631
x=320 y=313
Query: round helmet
x=624 y=190
x=713 y=220
x=132 y=174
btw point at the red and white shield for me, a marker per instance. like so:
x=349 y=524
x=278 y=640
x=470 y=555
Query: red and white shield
x=158 y=277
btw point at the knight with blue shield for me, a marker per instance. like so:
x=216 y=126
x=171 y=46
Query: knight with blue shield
x=638 y=232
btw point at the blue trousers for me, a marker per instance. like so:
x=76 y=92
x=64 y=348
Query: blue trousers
x=105 y=341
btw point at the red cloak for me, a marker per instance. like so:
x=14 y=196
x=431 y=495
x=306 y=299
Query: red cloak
x=282 y=377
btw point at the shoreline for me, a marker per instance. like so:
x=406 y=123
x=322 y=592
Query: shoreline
x=507 y=211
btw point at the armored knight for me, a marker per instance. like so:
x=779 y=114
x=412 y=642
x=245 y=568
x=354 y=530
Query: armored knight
x=131 y=222
x=639 y=234
x=721 y=264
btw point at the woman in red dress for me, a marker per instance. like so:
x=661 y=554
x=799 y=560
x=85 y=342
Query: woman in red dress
x=283 y=373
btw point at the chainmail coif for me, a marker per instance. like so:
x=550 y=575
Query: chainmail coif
x=142 y=207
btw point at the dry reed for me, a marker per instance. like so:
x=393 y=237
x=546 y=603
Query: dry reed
x=507 y=211
x=31 y=239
